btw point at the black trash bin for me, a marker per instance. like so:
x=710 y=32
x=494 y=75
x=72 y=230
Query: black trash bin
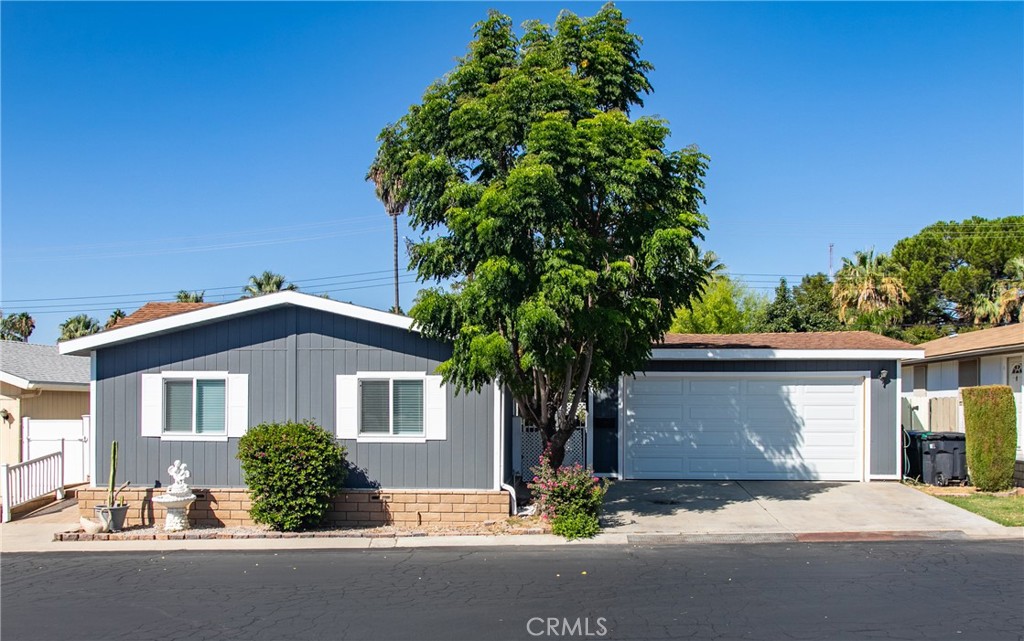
x=937 y=458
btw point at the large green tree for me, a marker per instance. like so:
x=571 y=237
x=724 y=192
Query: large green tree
x=948 y=265
x=725 y=307
x=16 y=327
x=817 y=308
x=782 y=314
x=566 y=228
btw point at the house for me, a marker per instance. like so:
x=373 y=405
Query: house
x=187 y=385
x=931 y=387
x=38 y=383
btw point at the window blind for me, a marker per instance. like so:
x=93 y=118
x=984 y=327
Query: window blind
x=408 y=407
x=210 y=403
x=373 y=407
x=178 y=406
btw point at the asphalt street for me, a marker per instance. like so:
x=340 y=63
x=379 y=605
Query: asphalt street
x=902 y=590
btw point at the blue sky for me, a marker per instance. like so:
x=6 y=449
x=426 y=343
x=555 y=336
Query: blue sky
x=148 y=148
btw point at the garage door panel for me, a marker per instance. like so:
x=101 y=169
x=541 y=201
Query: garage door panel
x=657 y=387
x=727 y=388
x=714 y=411
x=734 y=428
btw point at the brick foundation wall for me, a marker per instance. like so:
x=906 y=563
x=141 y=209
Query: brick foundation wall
x=351 y=508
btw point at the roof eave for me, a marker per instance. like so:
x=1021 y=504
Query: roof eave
x=85 y=345
x=742 y=354
x=972 y=353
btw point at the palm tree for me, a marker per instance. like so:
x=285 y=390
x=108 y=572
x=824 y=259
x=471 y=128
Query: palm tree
x=1011 y=290
x=78 y=326
x=115 y=316
x=266 y=283
x=190 y=297
x=712 y=265
x=17 y=327
x=869 y=285
x=388 y=185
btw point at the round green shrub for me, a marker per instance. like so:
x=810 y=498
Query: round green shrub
x=575 y=524
x=293 y=470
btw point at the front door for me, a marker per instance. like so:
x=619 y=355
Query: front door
x=1013 y=379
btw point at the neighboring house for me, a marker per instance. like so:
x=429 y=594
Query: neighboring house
x=188 y=385
x=931 y=385
x=37 y=382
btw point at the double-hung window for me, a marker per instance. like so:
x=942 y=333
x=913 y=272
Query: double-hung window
x=391 y=407
x=378 y=407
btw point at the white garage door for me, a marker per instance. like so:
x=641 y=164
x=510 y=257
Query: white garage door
x=807 y=428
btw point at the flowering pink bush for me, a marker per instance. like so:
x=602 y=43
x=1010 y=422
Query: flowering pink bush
x=570 y=492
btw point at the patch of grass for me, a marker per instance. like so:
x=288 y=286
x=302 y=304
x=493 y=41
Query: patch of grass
x=1005 y=510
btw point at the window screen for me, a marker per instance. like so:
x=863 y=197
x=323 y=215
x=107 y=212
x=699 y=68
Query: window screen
x=408 y=407
x=178 y=406
x=373 y=407
x=210 y=407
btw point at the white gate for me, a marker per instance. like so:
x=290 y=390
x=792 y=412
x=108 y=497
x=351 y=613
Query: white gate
x=71 y=437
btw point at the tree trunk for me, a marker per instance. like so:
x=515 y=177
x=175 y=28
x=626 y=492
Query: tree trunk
x=394 y=227
x=556 y=444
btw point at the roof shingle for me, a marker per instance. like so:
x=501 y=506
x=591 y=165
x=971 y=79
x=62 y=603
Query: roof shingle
x=808 y=340
x=153 y=311
x=993 y=338
x=42 y=364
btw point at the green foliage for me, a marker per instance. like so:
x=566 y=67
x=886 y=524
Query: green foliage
x=185 y=296
x=725 y=307
x=991 y=426
x=571 y=497
x=814 y=302
x=575 y=525
x=782 y=314
x=78 y=326
x=869 y=293
x=948 y=265
x=567 y=229
x=293 y=470
x=115 y=316
x=266 y=283
x=16 y=327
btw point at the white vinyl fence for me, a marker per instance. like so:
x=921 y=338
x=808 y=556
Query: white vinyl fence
x=24 y=482
x=42 y=437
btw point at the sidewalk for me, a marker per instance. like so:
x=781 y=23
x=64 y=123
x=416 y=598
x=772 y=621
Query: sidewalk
x=35 y=534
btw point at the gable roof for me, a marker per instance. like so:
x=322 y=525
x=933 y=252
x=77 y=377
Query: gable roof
x=982 y=341
x=154 y=311
x=173 y=319
x=32 y=366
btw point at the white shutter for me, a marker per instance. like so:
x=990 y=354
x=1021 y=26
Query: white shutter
x=435 y=409
x=346 y=421
x=238 y=405
x=152 y=404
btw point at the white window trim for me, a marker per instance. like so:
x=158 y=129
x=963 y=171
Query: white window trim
x=193 y=435
x=390 y=377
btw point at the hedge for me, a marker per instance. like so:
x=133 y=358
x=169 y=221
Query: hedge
x=991 y=424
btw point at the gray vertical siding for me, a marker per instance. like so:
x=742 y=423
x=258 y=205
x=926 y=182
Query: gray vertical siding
x=885 y=433
x=292 y=356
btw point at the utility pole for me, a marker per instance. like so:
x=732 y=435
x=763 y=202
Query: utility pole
x=831 y=275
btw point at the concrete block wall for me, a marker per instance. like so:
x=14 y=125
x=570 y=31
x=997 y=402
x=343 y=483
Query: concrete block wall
x=351 y=508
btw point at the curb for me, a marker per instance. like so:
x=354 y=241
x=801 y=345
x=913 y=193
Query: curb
x=223 y=536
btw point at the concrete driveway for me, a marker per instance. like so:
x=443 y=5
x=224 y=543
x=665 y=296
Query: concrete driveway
x=765 y=507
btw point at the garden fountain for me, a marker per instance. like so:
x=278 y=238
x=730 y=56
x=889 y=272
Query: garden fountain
x=177 y=499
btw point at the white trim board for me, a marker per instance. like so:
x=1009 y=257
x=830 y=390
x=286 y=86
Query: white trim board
x=686 y=354
x=26 y=384
x=81 y=346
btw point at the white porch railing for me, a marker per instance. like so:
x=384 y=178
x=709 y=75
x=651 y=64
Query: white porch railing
x=24 y=482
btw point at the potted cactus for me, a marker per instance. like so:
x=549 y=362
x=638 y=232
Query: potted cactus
x=112 y=515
